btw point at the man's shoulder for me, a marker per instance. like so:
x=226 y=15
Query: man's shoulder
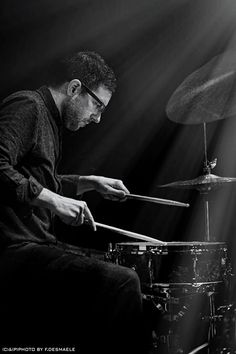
x=25 y=100
x=23 y=95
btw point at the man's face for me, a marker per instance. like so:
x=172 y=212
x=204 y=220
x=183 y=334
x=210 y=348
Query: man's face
x=81 y=109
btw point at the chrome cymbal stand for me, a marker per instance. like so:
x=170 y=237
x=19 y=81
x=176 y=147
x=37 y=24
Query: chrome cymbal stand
x=204 y=189
x=208 y=166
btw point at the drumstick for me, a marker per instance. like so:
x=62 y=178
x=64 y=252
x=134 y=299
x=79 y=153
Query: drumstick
x=128 y=233
x=156 y=200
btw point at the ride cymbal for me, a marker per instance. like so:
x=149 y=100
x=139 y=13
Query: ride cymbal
x=206 y=95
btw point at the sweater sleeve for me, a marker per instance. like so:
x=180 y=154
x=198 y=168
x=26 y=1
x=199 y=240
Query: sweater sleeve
x=69 y=185
x=18 y=129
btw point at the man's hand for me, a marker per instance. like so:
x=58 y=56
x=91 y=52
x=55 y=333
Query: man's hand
x=110 y=188
x=71 y=211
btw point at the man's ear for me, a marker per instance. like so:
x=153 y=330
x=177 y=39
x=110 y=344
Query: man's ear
x=74 y=87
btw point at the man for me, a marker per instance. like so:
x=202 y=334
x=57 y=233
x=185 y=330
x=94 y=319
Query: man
x=45 y=281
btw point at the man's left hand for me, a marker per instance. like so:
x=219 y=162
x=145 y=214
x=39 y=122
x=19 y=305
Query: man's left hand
x=110 y=188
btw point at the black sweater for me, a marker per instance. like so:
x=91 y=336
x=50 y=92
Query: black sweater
x=30 y=149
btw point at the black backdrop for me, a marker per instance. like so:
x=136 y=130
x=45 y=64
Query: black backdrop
x=152 y=46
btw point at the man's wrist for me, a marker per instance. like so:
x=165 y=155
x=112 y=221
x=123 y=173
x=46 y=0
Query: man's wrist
x=86 y=183
x=46 y=199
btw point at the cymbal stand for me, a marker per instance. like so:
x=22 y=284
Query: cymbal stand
x=207 y=219
x=208 y=165
x=205 y=144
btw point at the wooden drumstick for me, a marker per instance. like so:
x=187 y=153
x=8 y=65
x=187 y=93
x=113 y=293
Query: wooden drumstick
x=156 y=200
x=128 y=233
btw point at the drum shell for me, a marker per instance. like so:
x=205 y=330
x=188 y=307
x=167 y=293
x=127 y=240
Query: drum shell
x=175 y=263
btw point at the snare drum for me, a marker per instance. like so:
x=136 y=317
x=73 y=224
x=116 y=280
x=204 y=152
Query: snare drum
x=174 y=263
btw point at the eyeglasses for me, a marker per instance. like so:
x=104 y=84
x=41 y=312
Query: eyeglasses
x=101 y=106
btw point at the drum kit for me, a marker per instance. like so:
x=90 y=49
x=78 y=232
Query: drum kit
x=182 y=280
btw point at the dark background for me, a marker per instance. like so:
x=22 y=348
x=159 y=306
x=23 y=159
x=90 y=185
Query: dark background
x=152 y=45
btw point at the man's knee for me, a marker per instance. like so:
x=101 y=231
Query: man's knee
x=129 y=279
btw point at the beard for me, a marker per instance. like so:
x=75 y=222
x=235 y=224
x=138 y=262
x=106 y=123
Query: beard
x=73 y=115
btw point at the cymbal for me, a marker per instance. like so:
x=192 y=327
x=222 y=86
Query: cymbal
x=206 y=95
x=204 y=183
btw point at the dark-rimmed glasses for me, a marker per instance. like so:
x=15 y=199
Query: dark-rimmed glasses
x=101 y=106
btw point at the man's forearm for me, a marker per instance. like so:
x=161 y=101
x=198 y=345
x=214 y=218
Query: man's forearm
x=86 y=184
x=70 y=211
x=46 y=199
x=76 y=184
x=110 y=188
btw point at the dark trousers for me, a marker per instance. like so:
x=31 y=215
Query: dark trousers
x=53 y=295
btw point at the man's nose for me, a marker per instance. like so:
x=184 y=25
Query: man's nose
x=96 y=118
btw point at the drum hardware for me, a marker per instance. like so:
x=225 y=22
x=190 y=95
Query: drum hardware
x=174 y=306
x=156 y=302
x=179 y=289
x=172 y=310
x=165 y=339
x=165 y=336
x=225 y=339
x=169 y=342
x=179 y=315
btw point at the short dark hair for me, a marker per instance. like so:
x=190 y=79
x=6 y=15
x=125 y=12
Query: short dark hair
x=89 y=67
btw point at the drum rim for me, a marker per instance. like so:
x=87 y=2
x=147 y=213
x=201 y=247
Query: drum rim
x=172 y=244
x=194 y=285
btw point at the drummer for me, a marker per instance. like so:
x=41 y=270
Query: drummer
x=63 y=297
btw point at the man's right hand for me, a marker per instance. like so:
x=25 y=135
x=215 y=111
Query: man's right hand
x=71 y=211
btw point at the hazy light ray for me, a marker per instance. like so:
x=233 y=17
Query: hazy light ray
x=153 y=88
x=188 y=159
